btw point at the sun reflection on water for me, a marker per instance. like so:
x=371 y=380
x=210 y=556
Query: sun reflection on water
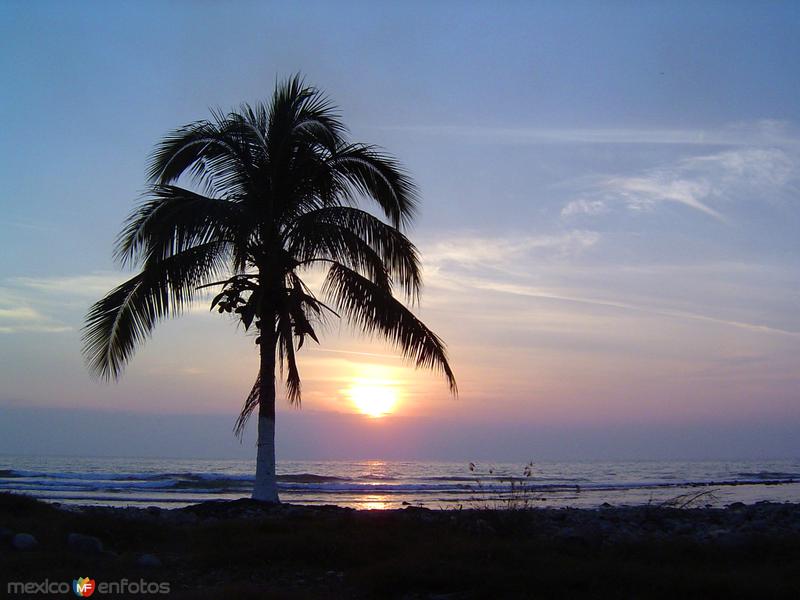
x=375 y=502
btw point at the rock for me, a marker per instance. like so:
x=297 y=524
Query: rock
x=148 y=561
x=759 y=526
x=717 y=533
x=606 y=528
x=24 y=542
x=737 y=506
x=85 y=544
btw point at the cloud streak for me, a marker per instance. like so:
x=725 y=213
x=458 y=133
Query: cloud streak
x=764 y=132
x=698 y=182
x=94 y=285
x=21 y=313
x=532 y=292
x=505 y=266
x=641 y=193
x=583 y=206
x=47 y=304
x=468 y=249
x=24 y=318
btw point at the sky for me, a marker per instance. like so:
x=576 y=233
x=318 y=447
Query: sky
x=608 y=227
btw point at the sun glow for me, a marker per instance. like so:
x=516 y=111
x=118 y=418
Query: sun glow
x=373 y=398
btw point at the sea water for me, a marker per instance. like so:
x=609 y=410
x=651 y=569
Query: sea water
x=373 y=484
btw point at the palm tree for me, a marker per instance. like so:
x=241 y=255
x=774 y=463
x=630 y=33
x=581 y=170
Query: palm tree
x=276 y=193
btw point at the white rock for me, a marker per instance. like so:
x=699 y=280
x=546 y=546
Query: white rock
x=148 y=560
x=24 y=541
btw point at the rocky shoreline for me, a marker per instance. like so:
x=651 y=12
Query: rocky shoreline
x=329 y=551
x=735 y=524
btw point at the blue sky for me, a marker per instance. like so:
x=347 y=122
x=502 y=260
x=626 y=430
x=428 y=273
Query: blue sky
x=608 y=227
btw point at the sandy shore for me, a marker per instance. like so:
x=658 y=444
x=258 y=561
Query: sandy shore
x=243 y=549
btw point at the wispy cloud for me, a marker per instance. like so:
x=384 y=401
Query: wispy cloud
x=584 y=206
x=471 y=268
x=646 y=191
x=21 y=313
x=753 y=167
x=18 y=316
x=30 y=226
x=703 y=183
x=473 y=250
x=314 y=349
x=34 y=328
x=93 y=285
x=52 y=300
x=49 y=304
x=536 y=292
x=765 y=132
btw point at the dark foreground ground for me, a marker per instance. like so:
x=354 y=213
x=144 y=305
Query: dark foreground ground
x=246 y=550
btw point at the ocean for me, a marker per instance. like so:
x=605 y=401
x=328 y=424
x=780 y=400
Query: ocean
x=378 y=484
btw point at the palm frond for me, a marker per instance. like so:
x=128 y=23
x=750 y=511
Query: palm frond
x=328 y=242
x=341 y=232
x=376 y=175
x=173 y=219
x=250 y=404
x=373 y=310
x=305 y=310
x=119 y=322
x=215 y=159
x=288 y=360
x=303 y=130
x=318 y=123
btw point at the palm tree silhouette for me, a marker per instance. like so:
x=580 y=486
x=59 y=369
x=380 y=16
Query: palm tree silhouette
x=276 y=193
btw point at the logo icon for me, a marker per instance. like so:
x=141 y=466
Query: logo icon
x=83 y=587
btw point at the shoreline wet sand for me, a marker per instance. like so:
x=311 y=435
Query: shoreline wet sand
x=245 y=549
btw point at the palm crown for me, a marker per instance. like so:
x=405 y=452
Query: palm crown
x=276 y=192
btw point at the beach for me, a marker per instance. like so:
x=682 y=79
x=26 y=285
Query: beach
x=246 y=549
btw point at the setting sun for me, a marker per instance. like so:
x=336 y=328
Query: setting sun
x=374 y=399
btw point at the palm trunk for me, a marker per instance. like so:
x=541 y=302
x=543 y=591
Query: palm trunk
x=266 y=486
